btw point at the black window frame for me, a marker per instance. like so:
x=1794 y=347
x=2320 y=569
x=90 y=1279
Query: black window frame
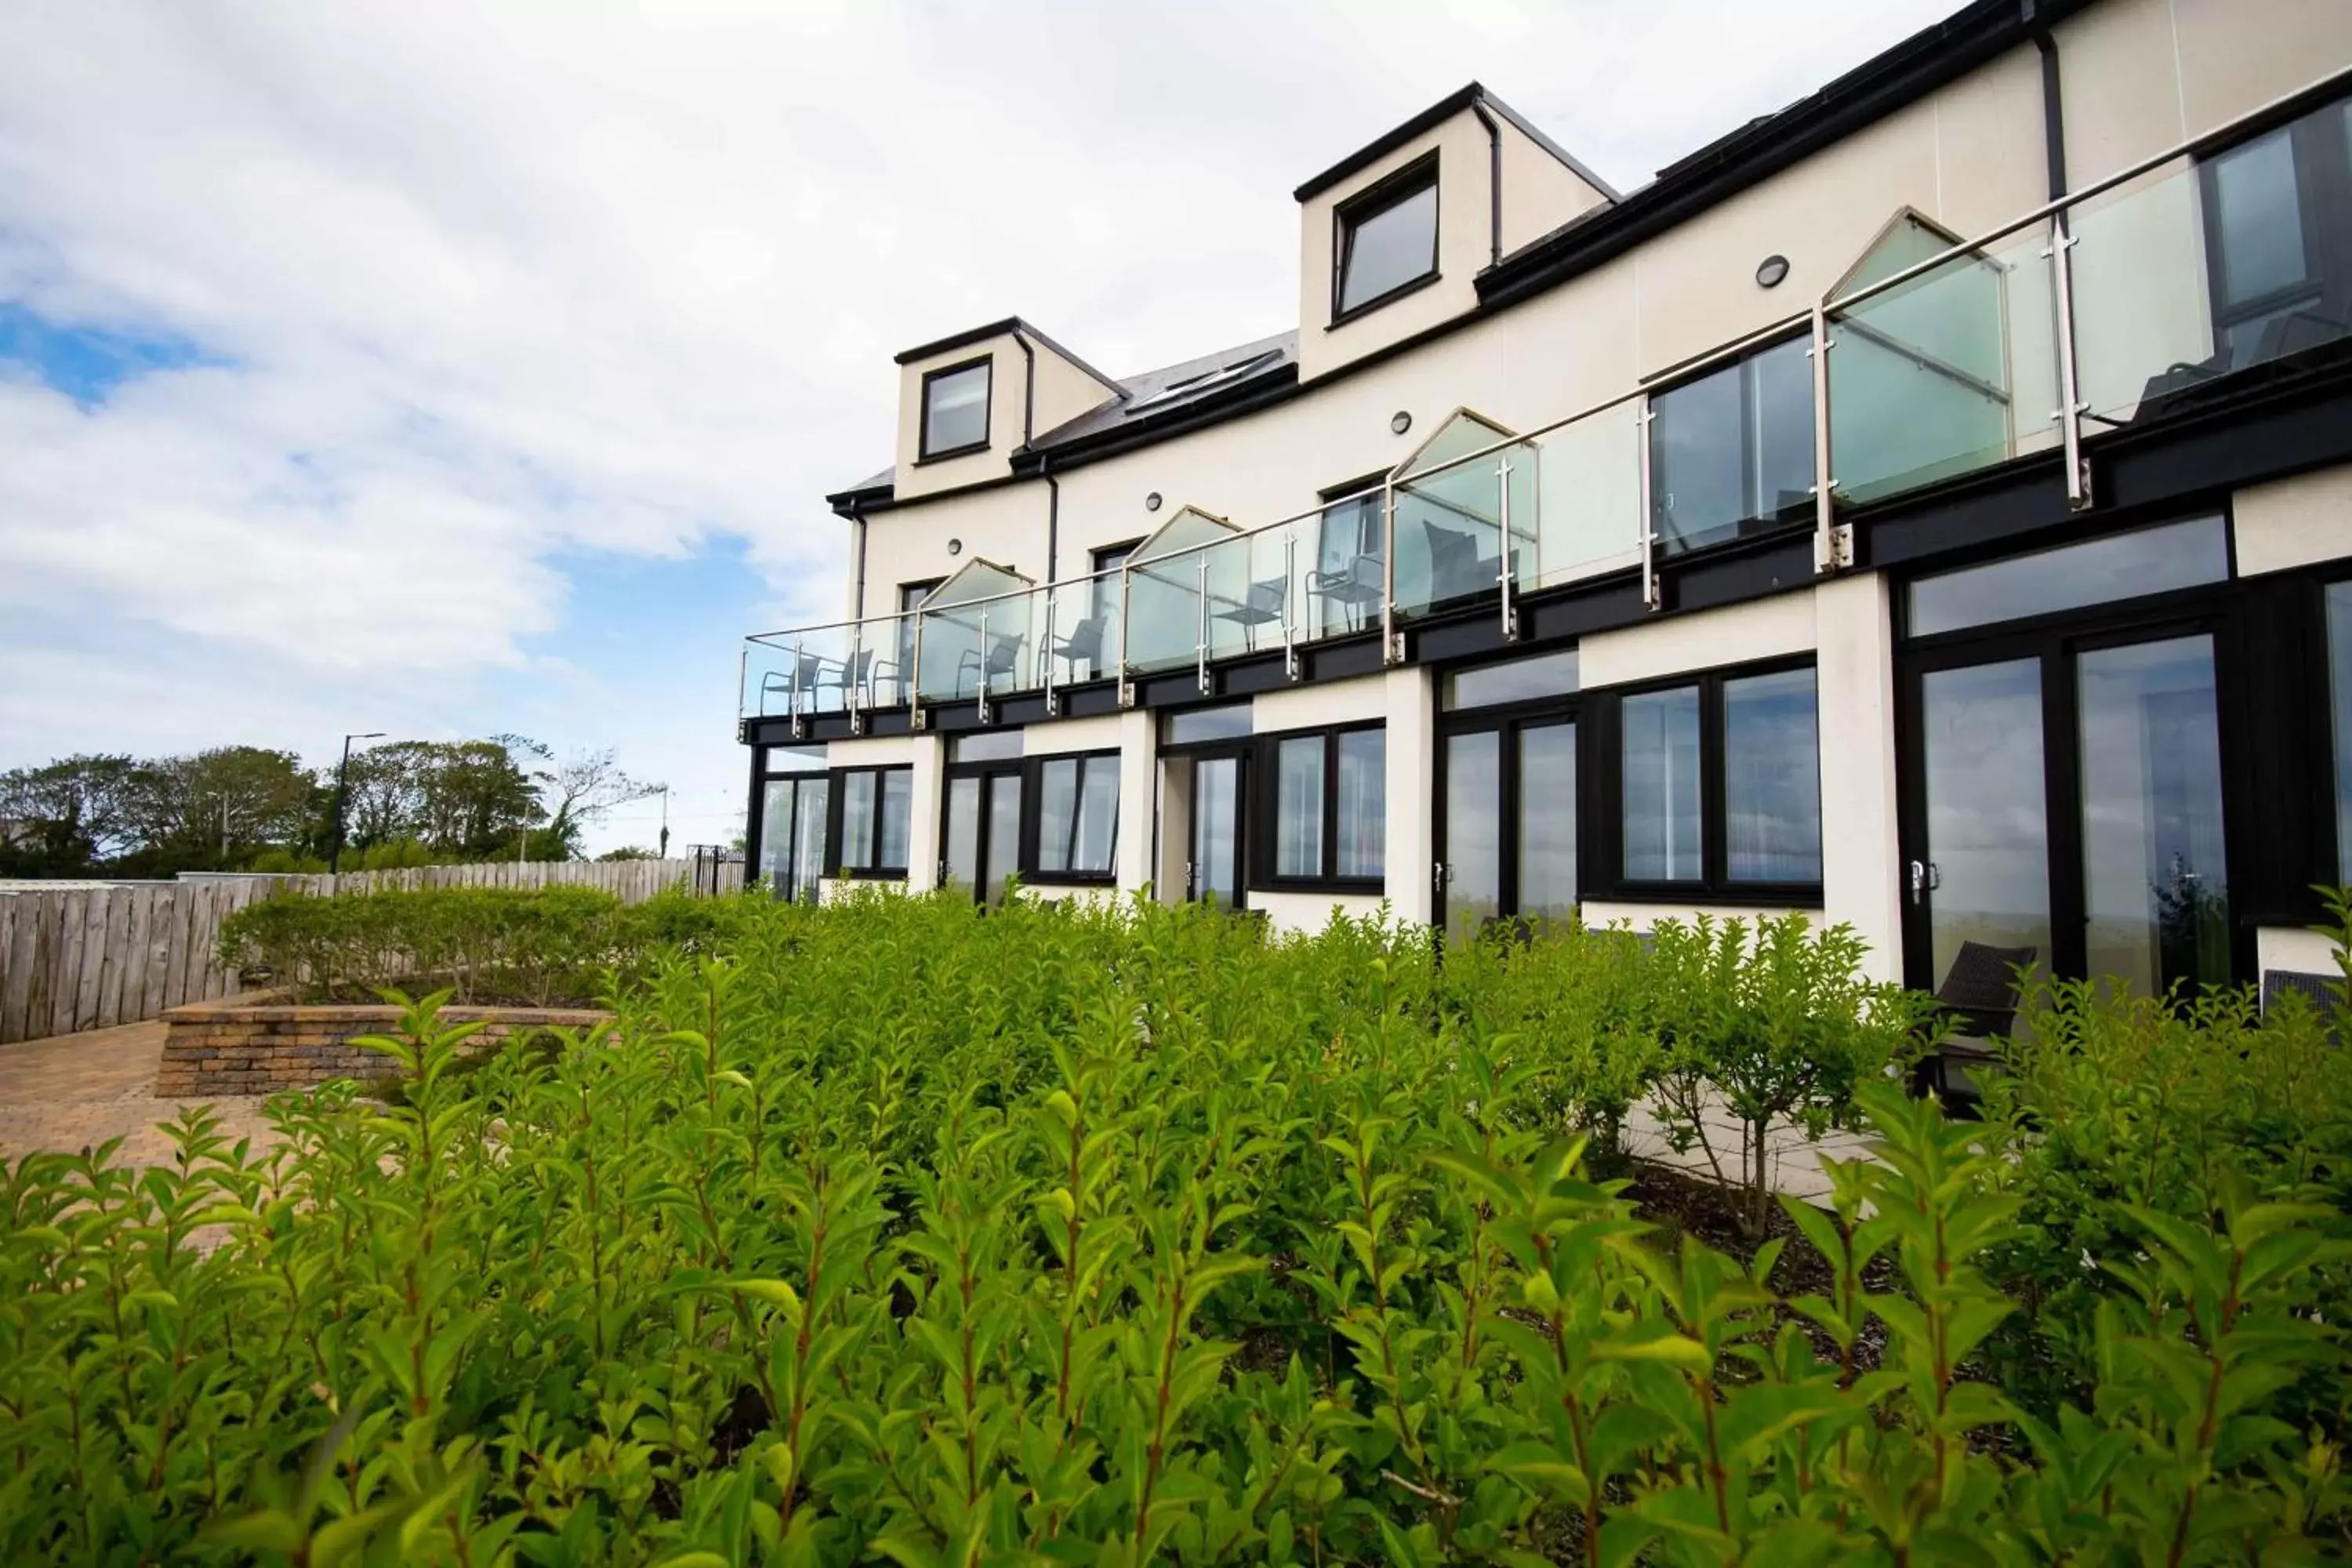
x=923 y=449
x=1266 y=799
x=984 y=774
x=1510 y=722
x=837 y=827
x=2319 y=138
x=1388 y=192
x=1608 y=880
x=1032 y=818
x=2329 y=848
x=1760 y=523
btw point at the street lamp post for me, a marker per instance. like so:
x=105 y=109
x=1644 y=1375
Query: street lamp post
x=342 y=787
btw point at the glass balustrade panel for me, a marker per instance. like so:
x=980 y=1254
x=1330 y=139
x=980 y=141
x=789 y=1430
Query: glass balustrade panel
x=1951 y=371
x=1586 y=498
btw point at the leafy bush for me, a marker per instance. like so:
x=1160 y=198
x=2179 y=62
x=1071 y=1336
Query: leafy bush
x=2119 y=1103
x=541 y=947
x=899 y=1232
x=1767 y=1025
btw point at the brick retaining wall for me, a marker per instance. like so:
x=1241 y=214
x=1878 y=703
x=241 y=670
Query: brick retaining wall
x=225 y=1050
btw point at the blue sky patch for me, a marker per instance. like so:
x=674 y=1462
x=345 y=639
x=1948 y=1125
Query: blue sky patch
x=87 y=364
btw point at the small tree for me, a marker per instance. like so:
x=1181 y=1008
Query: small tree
x=1764 y=1026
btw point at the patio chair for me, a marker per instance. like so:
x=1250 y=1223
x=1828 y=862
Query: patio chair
x=1355 y=588
x=1082 y=646
x=1003 y=659
x=1977 y=1003
x=799 y=679
x=1261 y=604
x=1453 y=562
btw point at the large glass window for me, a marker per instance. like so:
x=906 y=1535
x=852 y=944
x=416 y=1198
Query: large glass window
x=2340 y=686
x=1387 y=238
x=1329 y=810
x=876 y=810
x=1195 y=725
x=1732 y=452
x=1771 y=779
x=2120 y=566
x=1661 y=785
x=1077 y=815
x=1298 y=807
x=1514 y=680
x=1547 y=795
x=1720 y=785
x=1362 y=842
x=955 y=409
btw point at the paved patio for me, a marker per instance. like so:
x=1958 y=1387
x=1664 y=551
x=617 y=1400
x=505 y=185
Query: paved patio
x=74 y=1092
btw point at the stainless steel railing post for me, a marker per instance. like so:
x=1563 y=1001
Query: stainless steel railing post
x=1642 y=417
x=2071 y=406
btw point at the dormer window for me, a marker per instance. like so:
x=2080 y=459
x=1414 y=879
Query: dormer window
x=955 y=410
x=1387 y=241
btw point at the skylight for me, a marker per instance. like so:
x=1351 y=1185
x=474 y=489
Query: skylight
x=1193 y=386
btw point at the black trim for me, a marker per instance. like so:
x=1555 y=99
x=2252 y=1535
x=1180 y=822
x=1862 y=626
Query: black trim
x=1509 y=722
x=1383 y=195
x=1242 y=752
x=924 y=454
x=1033 y=819
x=835 y=834
x=1468 y=96
x=1602 y=873
x=987 y=775
x=1264 y=851
x=1011 y=326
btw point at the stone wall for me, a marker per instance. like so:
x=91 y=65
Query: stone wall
x=230 y=1050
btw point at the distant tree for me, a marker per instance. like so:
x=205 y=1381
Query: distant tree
x=628 y=852
x=581 y=789
x=217 y=809
x=461 y=799
x=65 y=817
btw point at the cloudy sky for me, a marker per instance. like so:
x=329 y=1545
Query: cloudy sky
x=445 y=367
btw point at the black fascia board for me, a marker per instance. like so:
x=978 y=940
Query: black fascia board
x=1437 y=114
x=1247 y=395
x=1011 y=326
x=1928 y=60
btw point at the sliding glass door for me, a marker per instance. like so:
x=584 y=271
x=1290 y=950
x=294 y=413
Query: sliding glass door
x=2066 y=794
x=1506 y=822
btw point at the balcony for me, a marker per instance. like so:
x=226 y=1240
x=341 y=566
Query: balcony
x=2174 y=283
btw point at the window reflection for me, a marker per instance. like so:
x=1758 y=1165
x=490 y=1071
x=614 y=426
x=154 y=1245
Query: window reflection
x=1771 y=779
x=1363 y=849
x=1661 y=785
x=1473 y=862
x=1388 y=246
x=1546 y=863
x=2121 y=566
x=1299 y=808
x=1732 y=452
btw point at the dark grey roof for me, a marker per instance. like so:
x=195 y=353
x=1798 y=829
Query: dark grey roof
x=1141 y=395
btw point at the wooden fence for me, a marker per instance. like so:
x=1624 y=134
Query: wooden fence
x=90 y=955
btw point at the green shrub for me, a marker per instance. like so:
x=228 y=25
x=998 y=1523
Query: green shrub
x=541 y=947
x=1767 y=1025
x=896 y=1231
x=2119 y=1104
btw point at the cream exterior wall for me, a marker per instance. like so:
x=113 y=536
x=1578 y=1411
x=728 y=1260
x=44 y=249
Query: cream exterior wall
x=2296 y=951
x=1540 y=192
x=1101 y=732
x=1410 y=754
x=2300 y=521
x=1006 y=525
x=1064 y=391
x=1862 y=878
x=1326 y=703
x=1310 y=913
x=1760 y=628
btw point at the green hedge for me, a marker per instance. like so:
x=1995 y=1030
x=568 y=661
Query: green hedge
x=541 y=947
x=896 y=1232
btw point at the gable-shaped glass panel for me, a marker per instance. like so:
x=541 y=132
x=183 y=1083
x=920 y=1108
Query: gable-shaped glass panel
x=977 y=633
x=1950 y=370
x=1165 y=577
x=1461 y=518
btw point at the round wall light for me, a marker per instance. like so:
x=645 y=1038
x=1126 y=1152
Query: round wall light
x=1400 y=422
x=955 y=546
x=1151 y=501
x=1771 y=270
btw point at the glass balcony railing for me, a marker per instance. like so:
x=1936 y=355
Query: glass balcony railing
x=2173 y=283
x=863 y=665
x=1953 y=369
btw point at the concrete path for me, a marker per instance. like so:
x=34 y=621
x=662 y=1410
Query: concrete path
x=74 y=1092
x=1791 y=1164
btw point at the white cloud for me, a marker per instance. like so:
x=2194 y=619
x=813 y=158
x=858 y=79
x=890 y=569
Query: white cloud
x=491 y=283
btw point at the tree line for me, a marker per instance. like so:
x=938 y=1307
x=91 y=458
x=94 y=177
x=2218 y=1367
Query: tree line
x=250 y=808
